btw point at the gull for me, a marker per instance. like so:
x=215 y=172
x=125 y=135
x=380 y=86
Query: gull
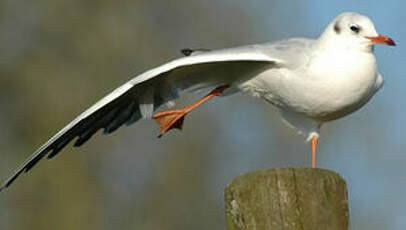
x=311 y=81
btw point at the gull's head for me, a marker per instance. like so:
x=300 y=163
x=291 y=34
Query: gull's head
x=353 y=31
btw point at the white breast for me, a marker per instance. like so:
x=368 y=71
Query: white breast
x=327 y=88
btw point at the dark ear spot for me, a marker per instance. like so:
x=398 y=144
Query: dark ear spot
x=337 y=28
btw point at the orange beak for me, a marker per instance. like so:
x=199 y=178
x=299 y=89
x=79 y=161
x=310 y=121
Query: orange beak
x=382 y=40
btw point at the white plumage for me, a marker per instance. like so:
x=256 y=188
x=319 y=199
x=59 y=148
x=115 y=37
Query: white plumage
x=310 y=81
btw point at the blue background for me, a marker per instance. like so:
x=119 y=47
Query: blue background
x=58 y=58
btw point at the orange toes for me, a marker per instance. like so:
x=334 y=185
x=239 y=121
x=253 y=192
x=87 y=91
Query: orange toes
x=172 y=119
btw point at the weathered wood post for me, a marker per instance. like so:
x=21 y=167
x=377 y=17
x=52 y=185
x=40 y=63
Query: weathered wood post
x=288 y=199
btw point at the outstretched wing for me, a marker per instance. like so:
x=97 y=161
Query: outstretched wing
x=143 y=94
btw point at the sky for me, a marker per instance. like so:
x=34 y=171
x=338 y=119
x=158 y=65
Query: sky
x=60 y=58
x=368 y=147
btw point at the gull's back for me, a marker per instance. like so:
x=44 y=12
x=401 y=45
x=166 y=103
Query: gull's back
x=294 y=52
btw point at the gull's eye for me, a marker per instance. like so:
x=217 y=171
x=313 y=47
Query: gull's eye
x=355 y=28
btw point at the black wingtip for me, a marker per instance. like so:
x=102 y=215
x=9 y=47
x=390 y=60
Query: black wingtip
x=6 y=184
x=186 y=52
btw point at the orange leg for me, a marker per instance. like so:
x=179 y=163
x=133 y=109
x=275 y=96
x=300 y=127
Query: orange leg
x=174 y=118
x=314 y=146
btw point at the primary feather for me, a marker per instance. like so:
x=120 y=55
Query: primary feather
x=142 y=95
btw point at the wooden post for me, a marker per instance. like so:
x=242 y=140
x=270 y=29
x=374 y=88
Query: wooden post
x=288 y=199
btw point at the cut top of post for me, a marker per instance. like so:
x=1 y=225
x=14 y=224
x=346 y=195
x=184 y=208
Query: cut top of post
x=289 y=199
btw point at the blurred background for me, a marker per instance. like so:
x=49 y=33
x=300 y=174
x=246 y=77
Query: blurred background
x=59 y=57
